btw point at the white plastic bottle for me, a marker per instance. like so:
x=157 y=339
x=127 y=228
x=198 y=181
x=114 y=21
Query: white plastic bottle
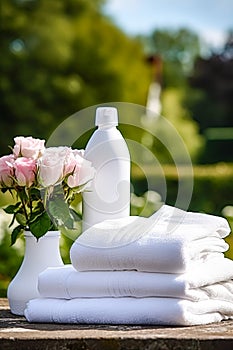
x=109 y=194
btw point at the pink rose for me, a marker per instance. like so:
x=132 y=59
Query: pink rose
x=83 y=171
x=6 y=170
x=25 y=170
x=51 y=165
x=71 y=161
x=28 y=147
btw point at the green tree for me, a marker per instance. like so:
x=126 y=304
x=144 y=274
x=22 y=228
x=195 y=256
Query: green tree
x=177 y=49
x=212 y=79
x=58 y=57
x=210 y=102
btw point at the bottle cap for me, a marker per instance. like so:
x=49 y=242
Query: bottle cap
x=106 y=116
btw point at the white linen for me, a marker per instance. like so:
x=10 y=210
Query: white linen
x=168 y=269
x=157 y=311
x=213 y=279
x=170 y=241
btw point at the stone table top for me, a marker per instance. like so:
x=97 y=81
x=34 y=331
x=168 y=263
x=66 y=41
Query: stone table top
x=17 y=333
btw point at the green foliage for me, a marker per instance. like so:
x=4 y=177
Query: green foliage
x=58 y=57
x=40 y=214
x=16 y=232
x=210 y=102
x=82 y=60
x=212 y=76
x=40 y=225
x=213 y=186
x=177 y=49
x=179 y=116
x=59 y=210
x=10 y=256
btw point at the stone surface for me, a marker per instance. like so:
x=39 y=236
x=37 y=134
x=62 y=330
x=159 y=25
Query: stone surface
x=17 y=333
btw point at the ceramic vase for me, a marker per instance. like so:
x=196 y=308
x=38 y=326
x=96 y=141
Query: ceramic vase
x=39 y=254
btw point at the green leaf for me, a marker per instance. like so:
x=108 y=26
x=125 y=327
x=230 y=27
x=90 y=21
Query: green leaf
x=40 y=225
x=11 y=209
x=18 y=230
x=21 y=219
x=35 y=194
x=12 y=221
x=59 y=211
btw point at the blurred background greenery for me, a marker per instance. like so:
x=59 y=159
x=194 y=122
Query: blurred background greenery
x=60 y=56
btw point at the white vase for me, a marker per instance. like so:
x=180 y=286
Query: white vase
x=39 y=254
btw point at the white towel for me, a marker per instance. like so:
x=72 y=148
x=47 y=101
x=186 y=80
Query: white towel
x=210 y=280
x=171 y=240
x=157 y=311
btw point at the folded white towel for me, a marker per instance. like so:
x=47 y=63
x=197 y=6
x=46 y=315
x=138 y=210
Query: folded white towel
x=171 y=240
x=159 y=311
x=213 y=279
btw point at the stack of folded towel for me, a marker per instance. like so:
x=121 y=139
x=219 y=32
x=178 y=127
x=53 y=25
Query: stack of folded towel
x=168 y=269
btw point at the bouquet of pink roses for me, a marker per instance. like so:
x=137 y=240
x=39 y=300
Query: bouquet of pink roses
x=43 y=182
